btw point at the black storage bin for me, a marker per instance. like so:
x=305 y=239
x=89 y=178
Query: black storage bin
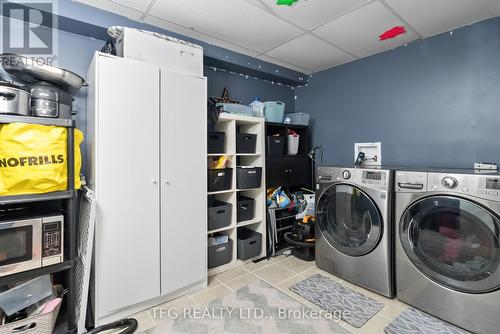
x=219 y=214
x=220 y=254
x=248 y=177
x=246 y=208
x=246 y=142
x=249 y=244
x=215 y=142
x=275 y=145
x=220 y=179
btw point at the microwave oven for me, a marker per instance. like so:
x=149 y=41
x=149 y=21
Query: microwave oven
x=30 y=243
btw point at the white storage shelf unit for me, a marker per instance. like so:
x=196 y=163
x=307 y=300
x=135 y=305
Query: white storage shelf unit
x=229 y=124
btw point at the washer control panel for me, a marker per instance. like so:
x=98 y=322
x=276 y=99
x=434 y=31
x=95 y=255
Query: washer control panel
x=449 y=182
x=489 y=186
x=483 y=186
x=346 y=175
x=369 y=178
x=376 y=178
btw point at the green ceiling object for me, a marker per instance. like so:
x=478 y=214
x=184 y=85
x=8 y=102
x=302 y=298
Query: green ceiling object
x=286 y=2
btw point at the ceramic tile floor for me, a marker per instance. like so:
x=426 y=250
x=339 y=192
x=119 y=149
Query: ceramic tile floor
x=281 y=272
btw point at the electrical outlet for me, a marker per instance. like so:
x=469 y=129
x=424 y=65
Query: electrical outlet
x=372 y=151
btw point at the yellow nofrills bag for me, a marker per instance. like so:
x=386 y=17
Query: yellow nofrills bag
x=33 y=159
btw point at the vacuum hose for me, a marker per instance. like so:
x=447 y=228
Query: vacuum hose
x=129 y=326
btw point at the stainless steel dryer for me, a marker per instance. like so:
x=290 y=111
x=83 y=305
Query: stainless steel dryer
x=354 y=228
x=447 y=246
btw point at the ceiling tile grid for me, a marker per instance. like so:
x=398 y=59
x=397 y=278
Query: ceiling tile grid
x=431 y=17
x=235 y=21
x=311 y=53
x=309 y=36
x=358 y=32
x=311 y=13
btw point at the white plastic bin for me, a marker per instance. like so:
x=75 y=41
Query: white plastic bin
x=257 y=108
x=293 y=144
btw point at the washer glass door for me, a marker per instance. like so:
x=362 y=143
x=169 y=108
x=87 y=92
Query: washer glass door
x=453 y=241
x=349 y=219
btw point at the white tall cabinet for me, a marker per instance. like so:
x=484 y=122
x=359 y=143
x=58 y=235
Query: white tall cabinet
x=146 y=143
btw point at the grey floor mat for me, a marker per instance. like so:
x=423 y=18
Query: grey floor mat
x=334 y=297
x=413 y=321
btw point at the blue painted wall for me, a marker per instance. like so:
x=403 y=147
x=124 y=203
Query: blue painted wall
x=75 y=52
x=245 y=90
x=435 y=102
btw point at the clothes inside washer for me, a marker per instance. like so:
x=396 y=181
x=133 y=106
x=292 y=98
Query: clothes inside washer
x=470 y=266
x=453 y=242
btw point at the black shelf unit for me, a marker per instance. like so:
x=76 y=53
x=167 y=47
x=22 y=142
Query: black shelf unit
x=291 y=172
x=27 y=275
x=288 y=170
x=69 y=204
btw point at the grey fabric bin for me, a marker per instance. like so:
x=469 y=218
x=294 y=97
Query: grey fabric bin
x=275 y=145
x=219 y=179
x=220 y=254
x=215 y=142
x=219 y=214
x=246 y=142
x=248 y=177
x=245 y=208
x=249 y=244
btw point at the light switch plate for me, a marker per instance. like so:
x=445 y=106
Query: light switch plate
x=372 y=151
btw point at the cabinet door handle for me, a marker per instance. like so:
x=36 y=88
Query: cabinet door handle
x=167 y=182
x=155 y=181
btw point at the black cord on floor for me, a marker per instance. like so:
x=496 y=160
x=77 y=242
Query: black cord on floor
x=129 y=326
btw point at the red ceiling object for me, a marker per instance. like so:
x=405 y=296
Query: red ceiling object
x=393 y=32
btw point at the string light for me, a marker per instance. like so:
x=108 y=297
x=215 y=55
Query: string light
x=215 y=69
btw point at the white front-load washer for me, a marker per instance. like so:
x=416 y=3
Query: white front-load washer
x=354 y=226
x=447 y=246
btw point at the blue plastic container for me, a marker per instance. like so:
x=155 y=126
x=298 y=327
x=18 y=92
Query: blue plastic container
x=274 y=111
x=233 y=108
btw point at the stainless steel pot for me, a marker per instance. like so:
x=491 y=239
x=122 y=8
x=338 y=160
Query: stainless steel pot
x=50 y=101
x=14 y=100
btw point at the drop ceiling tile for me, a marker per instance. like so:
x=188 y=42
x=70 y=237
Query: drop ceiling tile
x=140 y=5
x=283 y=64
x=114 y=7
x=155 y=21
x=431 y=17
x=310 y=53
x=235 y=21
x=358 y=32
x=309 y=14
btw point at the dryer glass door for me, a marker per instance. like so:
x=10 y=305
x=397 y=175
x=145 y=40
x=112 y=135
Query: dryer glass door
x=349 y=219
x=454 y=242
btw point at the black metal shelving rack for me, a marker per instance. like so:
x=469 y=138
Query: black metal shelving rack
x=69 y=201
x=291 y=172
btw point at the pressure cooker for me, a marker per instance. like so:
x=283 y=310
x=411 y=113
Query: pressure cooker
x=48 y=100
x=14 y=99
